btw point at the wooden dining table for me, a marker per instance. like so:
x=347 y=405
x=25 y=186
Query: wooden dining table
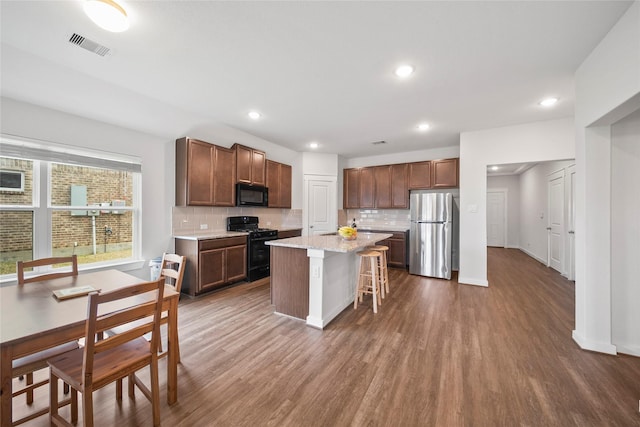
x=32 y=319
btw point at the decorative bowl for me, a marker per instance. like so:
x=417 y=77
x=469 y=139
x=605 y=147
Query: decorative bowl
x=348 y=233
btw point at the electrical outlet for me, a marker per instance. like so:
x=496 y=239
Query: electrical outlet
x=315 y=271
x=204 y=226
x=75 y=244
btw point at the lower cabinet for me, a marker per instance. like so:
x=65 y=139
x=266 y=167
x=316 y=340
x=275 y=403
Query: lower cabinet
x=212 y=263
x=397 y=254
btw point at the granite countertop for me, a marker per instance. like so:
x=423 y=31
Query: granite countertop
x=331 y=243
x=210 y=234
x=288 y=228
x=220 y=234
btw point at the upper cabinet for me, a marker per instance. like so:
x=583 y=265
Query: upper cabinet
x=279 y=184
x=250 y=165
x=387 y=186
x=444 y=173
x=419 y=175
x=205 y=174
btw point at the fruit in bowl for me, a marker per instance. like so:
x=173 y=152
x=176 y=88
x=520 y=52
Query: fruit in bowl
x=348 y=233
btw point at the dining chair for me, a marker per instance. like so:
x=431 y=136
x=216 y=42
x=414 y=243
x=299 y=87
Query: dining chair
x=27 y=365
x=102 y=362
x=172 y=268
x=22 y=265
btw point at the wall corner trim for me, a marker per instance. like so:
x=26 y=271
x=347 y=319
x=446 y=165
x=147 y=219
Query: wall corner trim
x=600 y=347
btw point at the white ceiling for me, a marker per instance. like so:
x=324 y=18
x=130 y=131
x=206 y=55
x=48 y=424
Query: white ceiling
x=317 y=71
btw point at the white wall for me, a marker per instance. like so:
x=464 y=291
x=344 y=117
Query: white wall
x=31 y=121
x=511 y=183
x=625 y=234
x=607 y=89
x=531 y=142
x=534 y=210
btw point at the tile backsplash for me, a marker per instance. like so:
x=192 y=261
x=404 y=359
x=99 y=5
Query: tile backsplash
x=372 y=218
x=195 y=219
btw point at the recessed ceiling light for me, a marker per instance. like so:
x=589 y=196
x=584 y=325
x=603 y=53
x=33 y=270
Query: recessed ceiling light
x=404 y=71
x=107 y=14
x=494 y=168
x=254 y=115
x=423 y=127
x=313 y=145
x=548 y=102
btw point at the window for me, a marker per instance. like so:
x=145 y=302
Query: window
x=72 y=202
x=11 y=181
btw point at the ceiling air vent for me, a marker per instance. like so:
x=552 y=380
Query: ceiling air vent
x=89 y=45
x=379 y=142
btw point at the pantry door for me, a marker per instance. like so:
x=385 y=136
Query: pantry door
x=320 y=199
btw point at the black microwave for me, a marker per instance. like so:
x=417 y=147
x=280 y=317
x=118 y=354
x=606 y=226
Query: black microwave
x=251 y=195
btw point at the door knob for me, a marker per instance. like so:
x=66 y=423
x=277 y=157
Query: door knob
x=548 y=228
x=571 y=232
x=311 y=226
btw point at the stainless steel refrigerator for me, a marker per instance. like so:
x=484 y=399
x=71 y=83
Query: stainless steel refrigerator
x=430 y=234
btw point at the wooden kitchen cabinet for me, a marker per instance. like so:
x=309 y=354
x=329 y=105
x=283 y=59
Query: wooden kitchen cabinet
x=419 y=175
x=399 y=186
x=359 y=188
x=205 y=174
x=397 y=244
x=367 y=188
x=382 y=187
x=251 y=165
x=444 y=173
x=212 y=263
x=351 y=193
x=382 y=176
x=279 y=184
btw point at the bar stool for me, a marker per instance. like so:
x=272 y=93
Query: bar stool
x=368 y=279
x=382 y=268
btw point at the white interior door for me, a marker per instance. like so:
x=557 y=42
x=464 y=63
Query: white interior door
x=571 y=218
x=321 y=213
x=496 y=219
x=555 y=221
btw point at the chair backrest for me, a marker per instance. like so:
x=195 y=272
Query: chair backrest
x=22 y=265
x=173 y=267
x=139 y=314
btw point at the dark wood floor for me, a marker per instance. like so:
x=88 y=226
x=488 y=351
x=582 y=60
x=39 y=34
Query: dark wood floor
x=437 y=354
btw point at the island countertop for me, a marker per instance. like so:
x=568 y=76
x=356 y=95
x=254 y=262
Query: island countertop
x=331 y=243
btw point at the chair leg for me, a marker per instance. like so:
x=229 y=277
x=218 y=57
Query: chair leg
x=132 y=386
x=30 y=392
x=87 y=407
x=53 y=397
x=74 y=406
x=155 y=393
x=119 y=389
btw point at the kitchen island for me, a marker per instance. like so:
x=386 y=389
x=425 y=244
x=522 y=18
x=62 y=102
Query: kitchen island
x=314 y=278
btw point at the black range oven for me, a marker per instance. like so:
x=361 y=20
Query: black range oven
x=258 y=252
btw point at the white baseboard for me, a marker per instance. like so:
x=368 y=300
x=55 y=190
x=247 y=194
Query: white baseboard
x=475 y=282
x=532 y=255
x=512 y=247
x=592 y=345
x=631 y=350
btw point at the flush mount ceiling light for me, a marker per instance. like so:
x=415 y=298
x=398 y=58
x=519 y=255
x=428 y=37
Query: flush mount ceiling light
x=107 y=14
x=494 y=168
x=422 y=127
x=254 y=115
x=548 y=102
x=404 y=71
x=313 y=145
